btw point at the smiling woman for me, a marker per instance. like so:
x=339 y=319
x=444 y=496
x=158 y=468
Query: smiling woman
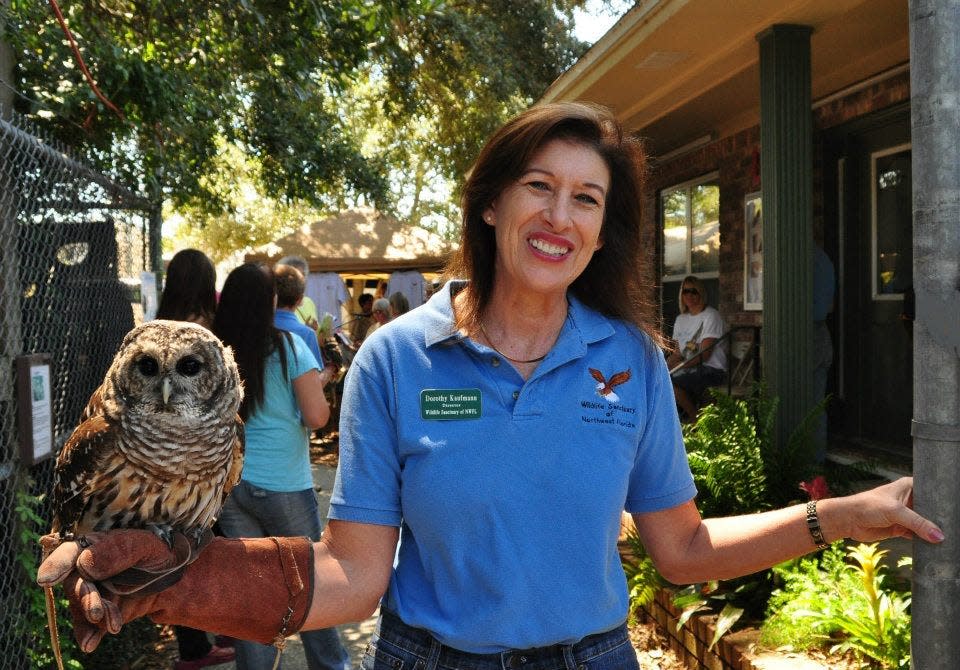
x=501 y=471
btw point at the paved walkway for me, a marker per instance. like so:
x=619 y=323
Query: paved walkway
x=354 y=635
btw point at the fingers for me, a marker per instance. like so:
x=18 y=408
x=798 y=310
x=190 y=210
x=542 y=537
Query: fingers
x=919 y=526
x=114 y=552
x=86 y=611
x=55 y=567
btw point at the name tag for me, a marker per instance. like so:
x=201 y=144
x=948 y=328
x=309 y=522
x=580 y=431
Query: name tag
x=449 y=404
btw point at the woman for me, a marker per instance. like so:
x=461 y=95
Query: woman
x=189 y=294
x=696 y=360
x=500 y=430
x=189 y=291
x=283 y=401
x=381 y=315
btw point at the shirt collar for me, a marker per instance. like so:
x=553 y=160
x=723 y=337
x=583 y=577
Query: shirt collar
x=583 y=325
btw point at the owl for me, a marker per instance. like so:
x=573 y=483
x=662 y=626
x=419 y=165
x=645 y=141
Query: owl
x=160 y=444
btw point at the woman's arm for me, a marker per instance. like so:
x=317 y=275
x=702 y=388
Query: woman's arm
x=352 y=565
x=314 y=409
x=687 y=549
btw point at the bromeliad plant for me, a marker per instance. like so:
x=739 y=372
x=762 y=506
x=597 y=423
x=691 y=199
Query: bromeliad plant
x=844 y=596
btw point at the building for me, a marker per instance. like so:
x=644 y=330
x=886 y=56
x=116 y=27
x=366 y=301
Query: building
x=774 y=125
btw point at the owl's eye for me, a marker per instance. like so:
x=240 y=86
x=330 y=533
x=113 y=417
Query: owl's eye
x=189 y=366
x=148 y=366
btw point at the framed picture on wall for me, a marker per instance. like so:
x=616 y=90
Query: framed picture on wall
x=753 y=251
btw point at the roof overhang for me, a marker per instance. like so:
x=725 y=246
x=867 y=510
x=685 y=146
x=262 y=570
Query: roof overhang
x=674 y=71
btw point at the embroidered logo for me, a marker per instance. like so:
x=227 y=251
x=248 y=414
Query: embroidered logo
x=605 y=388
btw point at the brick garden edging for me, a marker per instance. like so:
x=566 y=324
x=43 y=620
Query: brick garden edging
x=690 y=643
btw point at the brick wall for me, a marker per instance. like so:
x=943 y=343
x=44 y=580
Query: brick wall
x=736 y=159
x=691 y=644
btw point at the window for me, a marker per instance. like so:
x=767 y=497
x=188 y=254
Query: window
x=691 y=241
x=892 y=223
x=691 y=229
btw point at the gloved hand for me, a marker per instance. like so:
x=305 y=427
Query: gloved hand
x=256 y=589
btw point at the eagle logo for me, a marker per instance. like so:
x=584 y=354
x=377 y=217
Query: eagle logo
x=604 y=387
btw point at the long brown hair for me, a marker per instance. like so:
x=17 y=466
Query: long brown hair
x=614 y=282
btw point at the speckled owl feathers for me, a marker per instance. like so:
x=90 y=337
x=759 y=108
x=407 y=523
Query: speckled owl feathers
x=160 y=444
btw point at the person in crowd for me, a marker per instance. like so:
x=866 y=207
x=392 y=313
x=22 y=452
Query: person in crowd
x=381 y=315
x=283 y=401
x=290 y=288
x=498 y=432
x=190 y=294
x=697 y=358
x=306 y=311
x=189 y=289
x=399 y=304
x=362 y=321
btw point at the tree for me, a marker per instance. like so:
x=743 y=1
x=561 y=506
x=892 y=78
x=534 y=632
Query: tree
x=284 y=83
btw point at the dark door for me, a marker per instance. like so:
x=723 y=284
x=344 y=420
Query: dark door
x=874 y=380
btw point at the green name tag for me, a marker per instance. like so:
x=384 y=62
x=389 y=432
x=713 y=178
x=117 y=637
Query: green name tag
x=449 y=404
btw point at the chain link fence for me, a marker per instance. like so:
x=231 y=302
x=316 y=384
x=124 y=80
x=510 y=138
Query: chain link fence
x=73 y=246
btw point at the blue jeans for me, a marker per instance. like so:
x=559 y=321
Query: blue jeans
x=255 y=512
x=397 y=646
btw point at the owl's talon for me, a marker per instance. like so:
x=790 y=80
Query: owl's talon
x=163 y=531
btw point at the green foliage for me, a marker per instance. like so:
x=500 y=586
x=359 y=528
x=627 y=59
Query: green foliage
x=736 y=461
x=705 y=597
x=294 y=86
x=738 y=469
x=809 y=584
x=31 y=622
x=643 y=580
x=831 y=598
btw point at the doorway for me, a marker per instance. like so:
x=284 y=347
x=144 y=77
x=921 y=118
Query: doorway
x=873 y=371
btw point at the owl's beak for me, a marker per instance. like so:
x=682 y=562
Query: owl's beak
x=165 y=389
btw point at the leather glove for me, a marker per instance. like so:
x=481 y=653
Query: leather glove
x=251 y=589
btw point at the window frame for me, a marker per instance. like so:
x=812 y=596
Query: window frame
x=875 y=293
x=687 y=186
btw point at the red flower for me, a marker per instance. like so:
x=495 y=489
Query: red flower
x=816 y=488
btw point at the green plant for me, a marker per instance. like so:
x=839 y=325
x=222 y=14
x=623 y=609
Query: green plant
x=31 y=623
x=844 y=594
x=813 y=583
x=735 y=457
x=877 y=624
x=738 y=469
x=643 y=580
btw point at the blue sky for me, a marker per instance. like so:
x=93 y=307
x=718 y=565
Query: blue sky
x=595 y=19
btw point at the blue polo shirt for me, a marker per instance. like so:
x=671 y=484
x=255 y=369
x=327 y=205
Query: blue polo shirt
x=288 y=321
x=508 y=492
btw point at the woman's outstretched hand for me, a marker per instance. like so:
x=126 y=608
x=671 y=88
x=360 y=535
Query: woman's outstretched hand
x=881 y=512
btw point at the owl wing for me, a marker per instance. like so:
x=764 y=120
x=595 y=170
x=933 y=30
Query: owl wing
x=91 y=442
x=236 y=459
x=94 y=405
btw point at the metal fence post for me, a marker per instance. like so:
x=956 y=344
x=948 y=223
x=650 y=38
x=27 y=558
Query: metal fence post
x=935 y=93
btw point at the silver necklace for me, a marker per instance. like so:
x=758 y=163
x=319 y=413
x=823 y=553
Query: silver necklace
x=512 y=360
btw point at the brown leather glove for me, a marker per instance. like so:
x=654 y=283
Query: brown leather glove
x=250 y=589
